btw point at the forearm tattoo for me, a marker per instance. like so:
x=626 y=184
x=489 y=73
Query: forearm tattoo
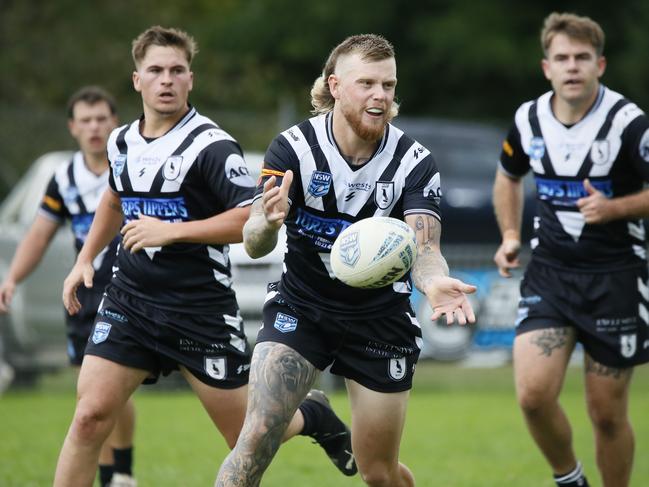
x=280 y=378
x=593 y=367
x=430 y=262
x=551 y=339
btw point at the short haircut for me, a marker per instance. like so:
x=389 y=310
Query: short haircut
x=91 y=95
x=582 y=29
x=371 y=47
x=163 y=36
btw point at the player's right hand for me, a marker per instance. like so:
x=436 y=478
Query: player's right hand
x=275 y=199
x=506 y=257
x=81 y=273
x=7 y=290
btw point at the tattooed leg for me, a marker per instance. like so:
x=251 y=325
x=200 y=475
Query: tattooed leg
x=540 y=361
x=607 y=397
x=280 y=378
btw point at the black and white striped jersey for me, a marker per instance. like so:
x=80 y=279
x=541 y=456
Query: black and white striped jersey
x=610 y=147
x=73 y=194
x=193 y=172
x=328 y=195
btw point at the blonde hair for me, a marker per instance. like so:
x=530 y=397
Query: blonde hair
x=579 y=28
x=371 y=47
x=162 y=36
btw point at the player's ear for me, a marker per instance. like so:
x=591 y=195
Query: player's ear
x=334 y=84
x=136 y=81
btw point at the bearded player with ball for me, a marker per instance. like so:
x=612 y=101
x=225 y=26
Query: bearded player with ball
x=347 y=164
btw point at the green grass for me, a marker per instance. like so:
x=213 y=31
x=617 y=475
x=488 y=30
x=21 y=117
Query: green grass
x=463 y=430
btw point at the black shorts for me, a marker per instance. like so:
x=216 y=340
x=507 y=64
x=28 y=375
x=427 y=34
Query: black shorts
x=610 y=311
x=79 y=326
x=131 y=332
x=378 y=353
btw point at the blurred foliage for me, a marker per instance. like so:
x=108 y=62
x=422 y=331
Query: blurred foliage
x=258 y=58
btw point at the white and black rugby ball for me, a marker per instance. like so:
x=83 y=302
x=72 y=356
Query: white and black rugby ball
x=373 y=252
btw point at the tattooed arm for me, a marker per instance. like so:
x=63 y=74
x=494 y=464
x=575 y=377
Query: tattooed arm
x=430 y=273
x=266 y=217
x=105 y=226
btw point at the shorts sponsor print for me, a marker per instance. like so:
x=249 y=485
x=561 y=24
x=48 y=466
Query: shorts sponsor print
x=378 y=353
x=610 y=311
x=134 y=333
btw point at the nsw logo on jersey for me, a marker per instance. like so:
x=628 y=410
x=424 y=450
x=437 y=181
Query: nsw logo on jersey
x=537 y=148
x=171 y=169
x=118 y=165
x=70 y=196
x=320 y=183
x=384 y=194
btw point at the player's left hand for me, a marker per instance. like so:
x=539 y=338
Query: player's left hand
x=447 y=296
x=595 y=207
x=146 y=231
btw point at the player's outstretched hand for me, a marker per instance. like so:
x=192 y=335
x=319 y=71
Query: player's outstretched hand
x=506 y=257
x=146 y=231
x=447 y=296
x=81 y=273
x=7 y=289
x=275 y=199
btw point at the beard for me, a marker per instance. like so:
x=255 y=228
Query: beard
x=366 y=132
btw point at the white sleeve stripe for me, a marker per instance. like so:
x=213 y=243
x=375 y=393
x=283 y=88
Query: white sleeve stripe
x=50 y=216
x=247 y=202
x=505 y=171
x=415 y=211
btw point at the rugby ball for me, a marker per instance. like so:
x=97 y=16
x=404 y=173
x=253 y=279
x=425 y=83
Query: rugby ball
x=373 y=252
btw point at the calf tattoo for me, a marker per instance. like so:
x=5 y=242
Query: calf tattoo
x=280 y=378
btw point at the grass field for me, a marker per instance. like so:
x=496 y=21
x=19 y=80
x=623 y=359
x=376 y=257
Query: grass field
x=463 y=430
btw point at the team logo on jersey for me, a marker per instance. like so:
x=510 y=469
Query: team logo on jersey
x=644 y=146
x=102 y=329
x=237 y=171
x=215 y=367
x=397 y=368
x=537 y=148
x=285 y=323
x=599 y=152
x=350 y=251
x=628 y=345
x=71 y=195
x=320 y=183
x=118 y=165
x=171 y=169
x=384 y=194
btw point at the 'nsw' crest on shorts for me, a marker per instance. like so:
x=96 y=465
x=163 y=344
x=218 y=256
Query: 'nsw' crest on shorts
x=101 y=331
